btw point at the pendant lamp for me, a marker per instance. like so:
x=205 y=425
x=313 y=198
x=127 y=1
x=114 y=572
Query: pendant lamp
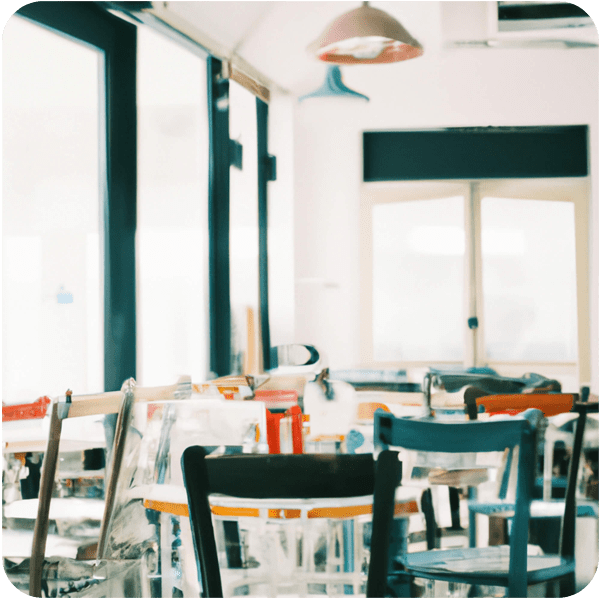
x=365 y=35
x=333 y=86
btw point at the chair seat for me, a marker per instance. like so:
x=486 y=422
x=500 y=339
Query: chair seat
x=474 y=565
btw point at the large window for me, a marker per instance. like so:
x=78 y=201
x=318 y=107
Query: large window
x=52 y=285
x=509 y=253
x=128 y=242
x=68 y=194
x=172 y=211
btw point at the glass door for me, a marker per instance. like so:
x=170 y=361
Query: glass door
x=508 y=257
x=534 y=274
x=415 y=278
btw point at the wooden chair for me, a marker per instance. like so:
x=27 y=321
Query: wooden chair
x=282 y=476
x=506 y=566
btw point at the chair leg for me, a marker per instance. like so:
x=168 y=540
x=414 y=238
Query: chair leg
x=430 y=524
x=454 y=497
x=567 y=585
x=517 y=590
x=472 y=520
x=399 y=585
x=553 y=589
x=232 y=544
x=40 y=530
x=497 y=531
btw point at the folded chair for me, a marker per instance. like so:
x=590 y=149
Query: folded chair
x=280 y=476
x=507 y=566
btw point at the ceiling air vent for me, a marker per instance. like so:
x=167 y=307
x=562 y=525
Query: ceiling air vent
x=528 y=16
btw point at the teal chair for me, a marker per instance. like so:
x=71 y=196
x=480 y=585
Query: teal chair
x=547 y=511
x=509 y=565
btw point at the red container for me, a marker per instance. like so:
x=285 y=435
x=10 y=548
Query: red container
x=22 y=412
x=274 y=430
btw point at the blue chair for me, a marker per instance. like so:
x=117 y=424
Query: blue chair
x=507 y=565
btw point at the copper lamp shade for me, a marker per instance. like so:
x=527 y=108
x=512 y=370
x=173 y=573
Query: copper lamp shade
x=365 y=35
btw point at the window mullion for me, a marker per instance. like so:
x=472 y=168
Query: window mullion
x=120 y=224
x=265 y=174
x=218 y=221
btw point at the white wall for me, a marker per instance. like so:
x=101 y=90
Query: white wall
x=451 y=88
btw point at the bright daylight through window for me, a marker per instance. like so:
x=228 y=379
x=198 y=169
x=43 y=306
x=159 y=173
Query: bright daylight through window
x=52 y=309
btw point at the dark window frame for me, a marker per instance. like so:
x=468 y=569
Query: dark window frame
x=265 y=174
x=218 y=219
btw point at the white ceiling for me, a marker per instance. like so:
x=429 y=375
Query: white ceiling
x=227 y=23
x=272 y=36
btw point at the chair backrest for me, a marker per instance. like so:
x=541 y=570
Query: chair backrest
x=430 y=435
x=567 y=533
x=549 y=404
x=283 y=476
